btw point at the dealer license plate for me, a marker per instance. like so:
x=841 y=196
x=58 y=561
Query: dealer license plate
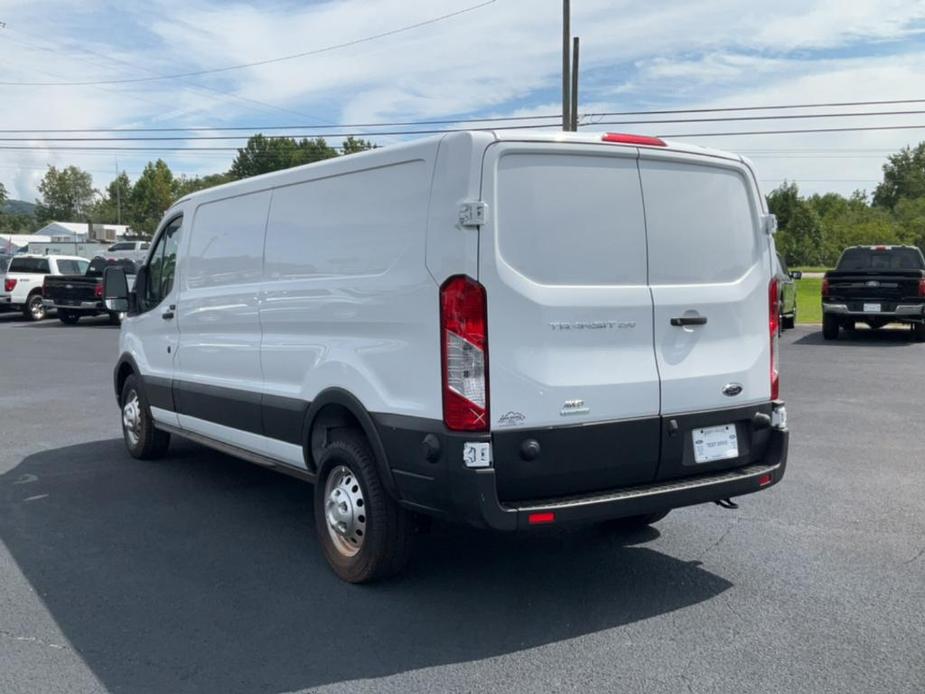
x=715 y=443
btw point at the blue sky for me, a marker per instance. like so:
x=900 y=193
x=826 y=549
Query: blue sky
x=499 y=60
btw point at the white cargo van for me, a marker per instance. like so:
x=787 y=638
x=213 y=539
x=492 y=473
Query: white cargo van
x=499 y=329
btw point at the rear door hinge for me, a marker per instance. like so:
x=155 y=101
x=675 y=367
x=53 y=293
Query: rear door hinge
x=472 y=214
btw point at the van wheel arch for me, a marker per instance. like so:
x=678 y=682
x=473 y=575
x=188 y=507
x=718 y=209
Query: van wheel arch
x=124 y=368
x=337 y=408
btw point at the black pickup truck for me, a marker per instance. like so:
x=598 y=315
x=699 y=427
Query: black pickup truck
x=875 y=285
x=75 y=296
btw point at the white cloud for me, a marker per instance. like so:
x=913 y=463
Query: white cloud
x=500 y=60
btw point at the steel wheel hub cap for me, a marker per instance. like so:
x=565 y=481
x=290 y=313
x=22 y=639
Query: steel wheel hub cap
x=345 y=511
x=131 y=418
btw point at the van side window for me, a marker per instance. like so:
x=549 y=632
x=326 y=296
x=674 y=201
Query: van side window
x=162 y=265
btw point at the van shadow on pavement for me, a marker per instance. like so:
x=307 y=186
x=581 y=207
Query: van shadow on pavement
x=202 y=572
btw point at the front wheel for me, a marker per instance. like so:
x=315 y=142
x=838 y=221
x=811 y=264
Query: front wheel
x=364 y=534
x=142 y=439
x=829 y=326
x=34 y=308
x=116 y=317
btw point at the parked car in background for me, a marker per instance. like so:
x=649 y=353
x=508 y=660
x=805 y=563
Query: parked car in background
x=875 y=285
x=500 y=329
x=4 y=262
x=22 y=283
x=79 y=296
x=788 y=294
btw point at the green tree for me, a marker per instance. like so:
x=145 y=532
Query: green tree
x=67 y=195
x=264 y=154
x=910 y=216
x=3 y=197
x=114 y=207
x=783 y=202
x=352 y=145
x=800 y=241
x=186 y=185
x=152 y=194
x=903 y=177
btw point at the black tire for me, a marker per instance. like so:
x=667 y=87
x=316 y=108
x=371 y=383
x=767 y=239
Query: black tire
x=918 y=332
x=788 y=322
x=115 y=317
x=68 y=317
x=829 y=326
x=34 y=308
x=384 y=545
x=142 y=441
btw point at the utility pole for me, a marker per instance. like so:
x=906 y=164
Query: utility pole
x=118 y=195
x=574 y=115
x=566 y=40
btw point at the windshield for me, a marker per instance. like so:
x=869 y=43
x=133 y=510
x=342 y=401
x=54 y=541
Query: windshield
x=881 y=259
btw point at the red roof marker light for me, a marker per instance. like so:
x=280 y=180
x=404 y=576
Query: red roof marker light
x=626 y=139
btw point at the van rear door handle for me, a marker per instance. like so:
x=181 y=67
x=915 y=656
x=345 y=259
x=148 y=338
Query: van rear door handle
x=168 y=314
x=689 y=320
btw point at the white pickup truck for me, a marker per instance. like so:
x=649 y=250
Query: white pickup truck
x=22 y=283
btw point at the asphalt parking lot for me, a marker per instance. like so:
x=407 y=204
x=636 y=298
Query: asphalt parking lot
x=202 y=574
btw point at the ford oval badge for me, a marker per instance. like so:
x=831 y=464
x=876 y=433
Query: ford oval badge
x=732 y=389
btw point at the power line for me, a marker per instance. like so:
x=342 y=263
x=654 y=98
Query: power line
x=134 y=138
x=492 y=119
x=801 y=131
x=38 y=147
x=501 y=119
x=831 y=104
x=268 y=61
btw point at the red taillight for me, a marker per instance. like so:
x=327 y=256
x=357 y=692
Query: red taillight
x=774 y=329
x=922 y=287
x=626 y=139
x=9 y=285
x=464 y=347
x=825 y=287
x=541 y=518
x=765 y=480
x=98 y=290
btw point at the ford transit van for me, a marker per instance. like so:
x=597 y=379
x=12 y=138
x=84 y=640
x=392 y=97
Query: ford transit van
x=499 y=329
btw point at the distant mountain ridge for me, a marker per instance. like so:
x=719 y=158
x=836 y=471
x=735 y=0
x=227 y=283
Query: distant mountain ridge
x=19 y=207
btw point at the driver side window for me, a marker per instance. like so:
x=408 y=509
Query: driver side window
x=162 y=265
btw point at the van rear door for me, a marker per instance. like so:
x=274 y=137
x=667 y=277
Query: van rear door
x=563 y=260
x=709 y=271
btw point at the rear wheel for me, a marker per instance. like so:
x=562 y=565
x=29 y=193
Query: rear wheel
x=364 y=534
x=918 y=332
x=141 y=438
x=68 y=317
x=116 y=317
x=34 y=308
x=788 y=322
x=829 y=326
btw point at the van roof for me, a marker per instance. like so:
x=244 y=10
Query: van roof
x=484 y=137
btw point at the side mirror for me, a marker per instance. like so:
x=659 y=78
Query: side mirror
x=115 y=289
x=796 y=274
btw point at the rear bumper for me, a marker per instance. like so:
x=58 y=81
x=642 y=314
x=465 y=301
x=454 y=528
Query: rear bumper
x=445 y=487
x=890 y=310
x=89 y=306
x=632 y=501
